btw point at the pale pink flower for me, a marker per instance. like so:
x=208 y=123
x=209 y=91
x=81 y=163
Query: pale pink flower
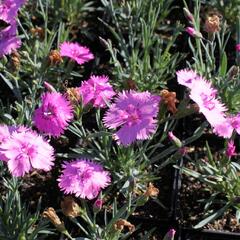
x=83 y=178
x=54 y=115
x=5 y=134
x=205 y=95
x=76 y=52
x=238 y=47
x=25 y=151
x=235 y=122
x=187 y=77
x=135 y=114
x=231 y=149
x=97 y=91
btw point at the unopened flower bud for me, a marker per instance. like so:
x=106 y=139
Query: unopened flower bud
x=49 y=87
x=121 y=223
x=70 y=208
x=97 y=206
x=233 y=72
x=170 y=235
x=238 y=47
x=183 y=151
x=188 y=15
x=194 y=33
x=53 y=217
x=176 y=141
x=231 y=149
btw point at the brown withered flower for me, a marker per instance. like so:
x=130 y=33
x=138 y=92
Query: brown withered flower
x=151 y=191
x=54 y=57
x=212 y=23
x=121 y=223
x=131 y=84
x=53 y=217
x=73 y=95
x=169 y=98
x=38 y=32
x=70 y=208
x=15 y=59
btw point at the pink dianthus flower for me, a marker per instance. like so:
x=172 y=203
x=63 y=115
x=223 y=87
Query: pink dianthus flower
x=187 y=77
x=8 y=40
x=9 y=9
x=135 y=114
x=203 y=93
x=83 y=178
x=76 y=52
x=53 y=115
x=5 y=134
x=97 y=91
x=27 y=150
x=235 y=122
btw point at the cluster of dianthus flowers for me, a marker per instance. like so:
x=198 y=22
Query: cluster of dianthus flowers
x=133 y=114
x=8 y=32
x=206 y=96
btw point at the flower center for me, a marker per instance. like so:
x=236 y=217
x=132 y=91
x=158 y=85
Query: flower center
x=133 y=114
x=49 y=111
x=74 y=52
x=208 y=101
x=84 y=174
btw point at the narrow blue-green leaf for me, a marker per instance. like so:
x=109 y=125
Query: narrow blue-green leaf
x=223 y=66
x=212 y=217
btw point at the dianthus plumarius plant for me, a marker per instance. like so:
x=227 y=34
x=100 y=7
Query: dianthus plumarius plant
x=99 y=102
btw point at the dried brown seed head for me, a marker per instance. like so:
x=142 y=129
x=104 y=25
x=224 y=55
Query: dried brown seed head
x=55 y=57
x=70 y=208
x=53 y=217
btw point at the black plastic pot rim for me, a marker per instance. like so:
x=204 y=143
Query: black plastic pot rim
x=211 y=232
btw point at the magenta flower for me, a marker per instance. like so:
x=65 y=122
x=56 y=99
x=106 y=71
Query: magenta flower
x=8 y=40
x=235 y=122
x=231 y=149
x=238 y=47
x=9 y=9
x=53 y=115
x=76 y=52
x=205 y=95
x=135 y=114
x=25 y=151
x=83 y=178
x=97 y=91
